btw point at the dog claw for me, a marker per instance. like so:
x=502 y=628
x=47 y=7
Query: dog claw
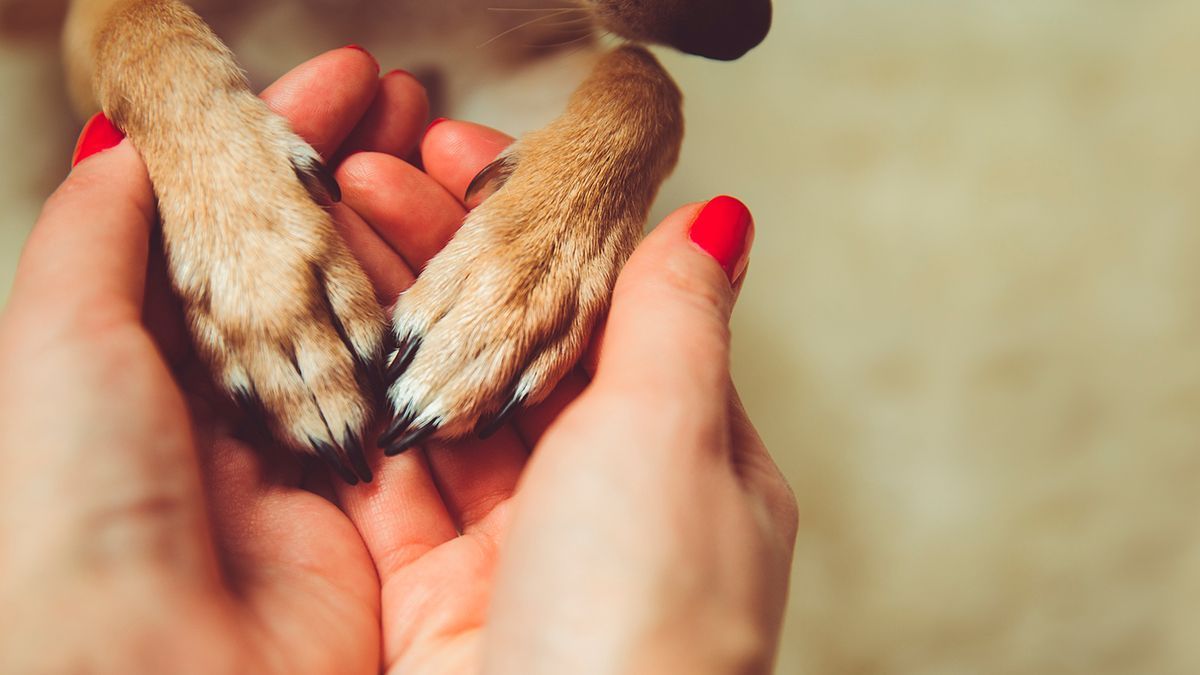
x=358 y=458
x=335 y=462
x=410 y=439
x=489 y=428
x=320 y=182
x=489 y=181
x=404 y=358
x=398 y=426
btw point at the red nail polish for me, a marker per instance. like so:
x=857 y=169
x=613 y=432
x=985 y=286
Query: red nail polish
x=725 y=230
x=399 y=71
x=98 y=135
x=435 y=123
x=364 y=50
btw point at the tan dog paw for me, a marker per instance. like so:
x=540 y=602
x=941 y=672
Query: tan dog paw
x=497 y=318
x=506 y=309
x=276 y=303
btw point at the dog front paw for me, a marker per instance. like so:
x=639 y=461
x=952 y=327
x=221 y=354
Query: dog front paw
x=277 y=305
x=500 y=316
x=507 y=308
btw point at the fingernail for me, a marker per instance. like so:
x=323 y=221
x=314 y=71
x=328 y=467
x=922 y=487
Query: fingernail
x=98 y=135
x=364 y=50
x=435 y=123
x=725 y=230
x=399 y=71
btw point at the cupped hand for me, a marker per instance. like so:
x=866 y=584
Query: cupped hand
x=138 y=531
x=632 y=523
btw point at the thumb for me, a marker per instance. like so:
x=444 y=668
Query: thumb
x=88 y=251
x=668 y=330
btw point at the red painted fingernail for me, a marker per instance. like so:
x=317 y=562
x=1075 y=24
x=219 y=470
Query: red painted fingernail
x=364 y=50
x=98 y=135
x=435 y=123
x=725 y=230
x=399 y=71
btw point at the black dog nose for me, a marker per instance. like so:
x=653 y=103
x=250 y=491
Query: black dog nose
x=721 y=29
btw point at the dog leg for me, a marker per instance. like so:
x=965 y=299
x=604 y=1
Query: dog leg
x=277 y=305
x=506 y=309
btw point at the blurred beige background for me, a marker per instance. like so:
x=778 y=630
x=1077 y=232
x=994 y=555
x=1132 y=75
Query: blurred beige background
x=971 y=324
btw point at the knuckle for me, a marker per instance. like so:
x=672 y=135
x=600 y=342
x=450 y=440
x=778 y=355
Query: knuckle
x=787 y=509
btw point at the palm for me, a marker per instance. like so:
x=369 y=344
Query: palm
x=293 y=571
x=434 y=522
x=448 y=588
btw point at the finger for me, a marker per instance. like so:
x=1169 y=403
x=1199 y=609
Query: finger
x=667 y=335
x=347 y=80
x=401 y=515
x=412 y=213
x=395 y=121
x=388 y=272
x=475 y=477
x=82 y=262
x=455 y=152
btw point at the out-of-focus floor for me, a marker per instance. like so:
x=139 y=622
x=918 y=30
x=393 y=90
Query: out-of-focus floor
x=970 y=332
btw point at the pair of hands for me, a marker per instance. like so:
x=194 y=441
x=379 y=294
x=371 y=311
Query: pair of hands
x=138 y=532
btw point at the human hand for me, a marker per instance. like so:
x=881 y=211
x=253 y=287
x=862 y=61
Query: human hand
x=632 y=523
x=138 y=533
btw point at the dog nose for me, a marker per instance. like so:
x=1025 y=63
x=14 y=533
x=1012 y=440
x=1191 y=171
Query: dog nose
x=722 y=29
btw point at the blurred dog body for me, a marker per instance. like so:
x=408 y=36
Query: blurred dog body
x=503 y=65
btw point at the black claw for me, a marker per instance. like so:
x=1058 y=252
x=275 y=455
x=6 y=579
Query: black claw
x=320 y=182
x=398 y=426
x=487 y=429
x=243 y=399
x=489 y=181
x=404 y=358
x=331 y=458
x=410 y=439
x=330 y=183
x=358 y=458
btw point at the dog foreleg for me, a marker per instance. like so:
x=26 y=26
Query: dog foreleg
x=506 y=309
x=276 y=304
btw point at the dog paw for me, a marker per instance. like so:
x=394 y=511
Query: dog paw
x=501 y=314
x=506 y=309
x=277 y=305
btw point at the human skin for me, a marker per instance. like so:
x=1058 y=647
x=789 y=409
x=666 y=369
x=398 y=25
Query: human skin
x=632 y=523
